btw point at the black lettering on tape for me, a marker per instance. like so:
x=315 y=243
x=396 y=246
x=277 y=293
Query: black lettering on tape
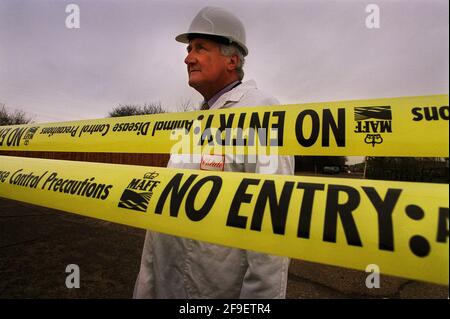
x=240 y=140
x=15 y=136
x=384 y=209
x=173 y=187
x=337 y=128
x=328 y=122
x=225 y=123
x=3 y=134
x=304 y=141
x=234 y=220
x=278 y=209
x=255 y=125
x=344 y=211
x=206 y=134
x=442 y=233
x=417 y=115
x=430 y=113
x=198 y=214
x=280 y=129
x=444 y=112
x=306 y=208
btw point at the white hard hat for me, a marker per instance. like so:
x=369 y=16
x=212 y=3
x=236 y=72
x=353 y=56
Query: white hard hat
x=216 y=22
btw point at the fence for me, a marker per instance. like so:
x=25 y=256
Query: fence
x=159 y=160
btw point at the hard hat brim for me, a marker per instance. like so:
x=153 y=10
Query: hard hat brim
x=183 y=38
x=186 y=37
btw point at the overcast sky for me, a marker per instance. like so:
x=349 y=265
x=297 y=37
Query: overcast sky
x=300 y=51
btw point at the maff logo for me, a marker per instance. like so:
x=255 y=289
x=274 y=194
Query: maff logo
x=29 y=134
x=138 y=193
x=373 y=121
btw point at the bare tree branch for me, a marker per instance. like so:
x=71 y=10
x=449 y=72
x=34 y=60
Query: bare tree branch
x=12 y=118
x=134 y=109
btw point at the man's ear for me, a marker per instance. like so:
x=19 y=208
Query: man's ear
x=233 y=62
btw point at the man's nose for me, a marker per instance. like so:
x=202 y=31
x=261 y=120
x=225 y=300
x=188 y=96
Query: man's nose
x=190 y=59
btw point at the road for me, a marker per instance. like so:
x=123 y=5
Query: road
x=37 y=244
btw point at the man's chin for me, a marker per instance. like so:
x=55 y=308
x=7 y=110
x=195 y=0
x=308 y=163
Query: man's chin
x=193 y=83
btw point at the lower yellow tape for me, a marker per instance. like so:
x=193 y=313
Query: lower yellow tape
x=401 y=227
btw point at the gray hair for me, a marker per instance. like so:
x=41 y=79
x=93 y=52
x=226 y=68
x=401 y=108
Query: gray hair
x=233 y=49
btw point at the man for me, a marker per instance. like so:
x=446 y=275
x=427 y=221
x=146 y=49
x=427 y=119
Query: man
x=174 y=267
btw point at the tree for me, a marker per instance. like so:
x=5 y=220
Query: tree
x=12 y=118
x=134 y=109
x=417 y=169
x=186 y=106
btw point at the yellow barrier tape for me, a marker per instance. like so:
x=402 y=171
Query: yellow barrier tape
x=408 y=126
x=401 y=227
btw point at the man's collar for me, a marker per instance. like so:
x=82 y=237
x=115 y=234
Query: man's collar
x=234 y=95
x=216 y=96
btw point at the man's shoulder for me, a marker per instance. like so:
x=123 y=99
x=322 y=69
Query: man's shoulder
x=256 y=97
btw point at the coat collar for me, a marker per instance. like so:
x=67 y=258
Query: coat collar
x=235 y=95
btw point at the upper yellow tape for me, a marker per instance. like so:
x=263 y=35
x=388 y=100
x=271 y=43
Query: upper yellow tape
x=407 y=126
x=401 y=227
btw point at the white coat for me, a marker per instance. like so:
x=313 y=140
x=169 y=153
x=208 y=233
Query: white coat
x=175 y=267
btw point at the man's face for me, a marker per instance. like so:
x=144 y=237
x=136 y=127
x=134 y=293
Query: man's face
x=207 y=67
